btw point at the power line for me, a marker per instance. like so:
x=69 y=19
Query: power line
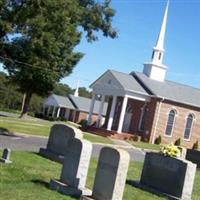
x=27 y=64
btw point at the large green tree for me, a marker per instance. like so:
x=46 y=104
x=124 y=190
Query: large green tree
x=38 y=38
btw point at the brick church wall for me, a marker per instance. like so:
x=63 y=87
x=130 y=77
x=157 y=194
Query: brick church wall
x=179 y=125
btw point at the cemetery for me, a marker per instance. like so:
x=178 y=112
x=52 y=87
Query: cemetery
x=111 y=176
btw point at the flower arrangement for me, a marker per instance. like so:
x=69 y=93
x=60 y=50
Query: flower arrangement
x=171 y=150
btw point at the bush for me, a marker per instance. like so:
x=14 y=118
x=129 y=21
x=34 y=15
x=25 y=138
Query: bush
x=84 y=123
x=195 y=146
x=178 y=142
x=158 y=140
x=135 y=138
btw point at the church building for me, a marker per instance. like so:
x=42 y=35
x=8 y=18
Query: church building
x=147 y=104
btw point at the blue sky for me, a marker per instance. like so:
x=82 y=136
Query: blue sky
x=138 y=23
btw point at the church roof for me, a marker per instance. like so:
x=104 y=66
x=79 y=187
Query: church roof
x=62 y=101
x=83 y=104
x=169 y=90
x=128 y=82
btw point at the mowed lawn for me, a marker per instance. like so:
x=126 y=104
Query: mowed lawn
x=40 y=128
x=29 y=175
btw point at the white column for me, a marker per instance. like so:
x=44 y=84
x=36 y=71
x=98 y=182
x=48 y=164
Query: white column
x=53 y=112
x=99 y=118
x=122 y=115
x=112 y=112
x=91 y=109
x=58 y=112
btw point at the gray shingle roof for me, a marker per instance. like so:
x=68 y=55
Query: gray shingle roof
x=83 y=104
x=129 y=82
x=63 y=101
x=171 y=90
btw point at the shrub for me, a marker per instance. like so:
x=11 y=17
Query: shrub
x=84 y=123
x=135 y=138
x=178 y=142
x=158 y=140
x=195 y=146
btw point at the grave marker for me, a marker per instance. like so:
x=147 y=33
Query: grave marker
x=111 y=175
x=75 y=167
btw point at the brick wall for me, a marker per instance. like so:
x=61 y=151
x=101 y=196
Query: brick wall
x=179 y=125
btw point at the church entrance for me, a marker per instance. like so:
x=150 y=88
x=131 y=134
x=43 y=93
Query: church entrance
x=127 y=119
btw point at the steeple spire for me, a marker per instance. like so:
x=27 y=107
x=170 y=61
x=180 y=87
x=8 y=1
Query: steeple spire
x=161 y=37
x=76 y=93
x=156 y=70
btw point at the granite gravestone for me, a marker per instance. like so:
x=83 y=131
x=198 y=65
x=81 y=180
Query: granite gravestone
x=172 y=177
x=75 y=167
x=111 y=175
x=6 y=156
x=58 y=140
x=193 y=156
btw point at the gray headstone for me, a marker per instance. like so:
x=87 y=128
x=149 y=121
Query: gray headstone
x=6 y=156
x=170 y=176
x=111 y=175
x=75 y=168
x=193 y=156
x=58 y=140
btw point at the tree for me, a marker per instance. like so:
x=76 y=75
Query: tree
x=62 y=89
x=83 y=92
x=45 y=35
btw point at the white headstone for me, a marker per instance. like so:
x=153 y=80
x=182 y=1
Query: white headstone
x=111 y=175
x=75 y=168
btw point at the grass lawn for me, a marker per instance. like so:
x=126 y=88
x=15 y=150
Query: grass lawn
x=40 y=128
x=145 y=145
x=29 y=175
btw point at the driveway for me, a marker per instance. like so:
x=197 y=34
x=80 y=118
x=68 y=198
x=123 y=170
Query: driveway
x=33 y=143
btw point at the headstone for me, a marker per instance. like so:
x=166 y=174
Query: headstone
x=172 y=177
x=75 y=167
x=58 y=140
x=6 y=156
x=111 y=175
x=193 y=156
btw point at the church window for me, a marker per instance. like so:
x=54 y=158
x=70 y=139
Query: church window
x=188 y=126
x=170 y=123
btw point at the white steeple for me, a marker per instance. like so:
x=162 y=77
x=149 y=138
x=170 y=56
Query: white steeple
x=76 y=93
x=155 y=69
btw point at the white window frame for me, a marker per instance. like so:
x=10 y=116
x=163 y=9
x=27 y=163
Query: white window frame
x=173 y=109
x=188 y=139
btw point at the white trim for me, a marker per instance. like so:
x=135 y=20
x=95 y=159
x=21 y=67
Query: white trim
x=99 y=117
x=122 y=114
x=157 y=119
x=173 y=125
x=190 y=134
x=91 y=109
x=112 y=112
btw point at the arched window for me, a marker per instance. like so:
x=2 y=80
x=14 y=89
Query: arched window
x=188 y=126
x=170 y=123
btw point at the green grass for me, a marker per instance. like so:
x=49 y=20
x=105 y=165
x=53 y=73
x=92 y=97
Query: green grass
x=145 y=145
x=29 y=175
x=40 y=128
x=97 y=139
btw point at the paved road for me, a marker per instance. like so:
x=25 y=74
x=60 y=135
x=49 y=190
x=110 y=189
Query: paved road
x=30 y=143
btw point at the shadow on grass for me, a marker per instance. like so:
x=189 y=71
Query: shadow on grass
x=41 y=183
x=6 y=132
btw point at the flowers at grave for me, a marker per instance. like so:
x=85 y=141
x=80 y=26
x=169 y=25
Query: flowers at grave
x=171 y=150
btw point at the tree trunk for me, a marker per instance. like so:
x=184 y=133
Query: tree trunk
x=25 y=104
